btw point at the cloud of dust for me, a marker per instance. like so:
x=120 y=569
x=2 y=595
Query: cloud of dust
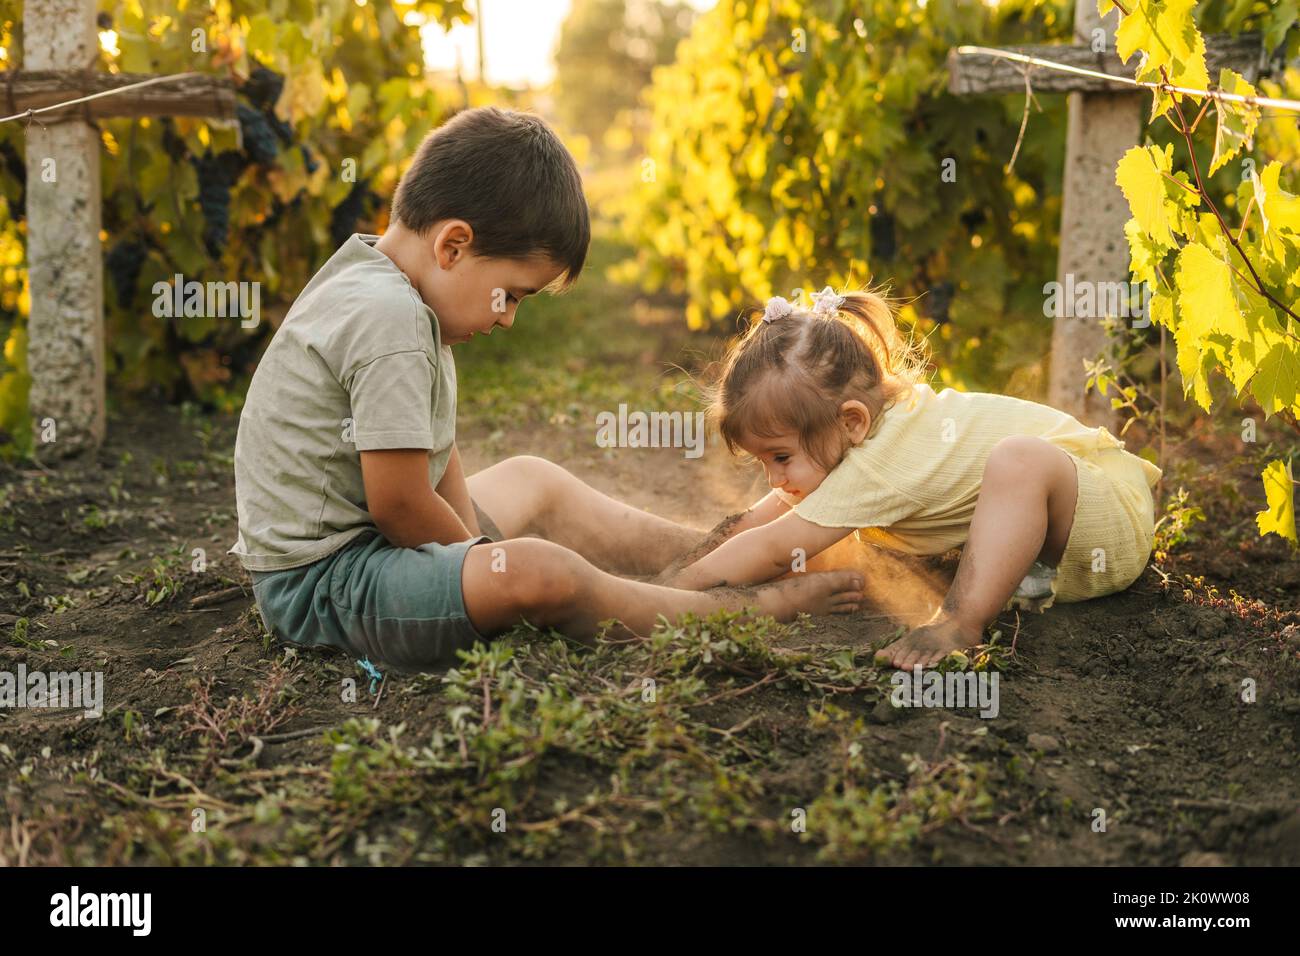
x=897 y=585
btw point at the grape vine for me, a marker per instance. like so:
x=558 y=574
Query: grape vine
x=328 y=94
x=1228 y=292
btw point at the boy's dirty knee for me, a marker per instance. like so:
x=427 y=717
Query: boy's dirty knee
x=1037 y=592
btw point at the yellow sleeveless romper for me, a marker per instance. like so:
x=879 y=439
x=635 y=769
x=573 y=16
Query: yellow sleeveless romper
x=912 y=484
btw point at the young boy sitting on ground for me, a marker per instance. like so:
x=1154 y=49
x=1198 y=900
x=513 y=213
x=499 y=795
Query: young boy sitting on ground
x=356 y=522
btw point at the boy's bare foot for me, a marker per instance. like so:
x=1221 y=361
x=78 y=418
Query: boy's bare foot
x=816 y=592
x=928 y=644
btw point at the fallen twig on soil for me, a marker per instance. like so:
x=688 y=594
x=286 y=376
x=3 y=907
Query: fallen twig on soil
x=217 y=597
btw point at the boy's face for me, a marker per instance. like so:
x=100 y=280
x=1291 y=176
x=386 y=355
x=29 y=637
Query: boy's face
x=472 y=294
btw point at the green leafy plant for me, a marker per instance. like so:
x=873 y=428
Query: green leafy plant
x=1226 y=290
x=1172 y=528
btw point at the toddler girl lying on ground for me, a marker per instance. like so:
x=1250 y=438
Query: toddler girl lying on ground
x=830 y=401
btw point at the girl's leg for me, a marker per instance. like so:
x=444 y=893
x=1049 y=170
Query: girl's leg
x=1024 y=513
x=548 y=585
x=530 y=495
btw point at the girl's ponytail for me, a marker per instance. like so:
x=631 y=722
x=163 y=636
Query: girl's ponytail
x=794 y=367
x=871 y=316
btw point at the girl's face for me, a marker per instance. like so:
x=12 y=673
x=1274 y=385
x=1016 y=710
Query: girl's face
x=789 y=467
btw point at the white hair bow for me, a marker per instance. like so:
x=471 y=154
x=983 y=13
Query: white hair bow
x=776 y=308
x=827 y=301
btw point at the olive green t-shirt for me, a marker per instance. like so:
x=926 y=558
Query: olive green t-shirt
x=357 y=365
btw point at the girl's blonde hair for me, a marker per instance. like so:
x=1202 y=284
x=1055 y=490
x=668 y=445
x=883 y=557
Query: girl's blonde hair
x=792 y=373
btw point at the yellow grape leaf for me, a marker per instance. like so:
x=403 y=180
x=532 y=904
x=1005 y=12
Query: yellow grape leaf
x=1144 y=255
x=1236 y=121
x=1166 y=32
x=1162 y=310
x=1279 y=210
x=136 y=52
x=1206 y=299
x=1139 y=175
x=1276 y=385
x=1195 y=365
x=261 y=37
x=1279 y=489
x=1265 y=358
x=304 y=93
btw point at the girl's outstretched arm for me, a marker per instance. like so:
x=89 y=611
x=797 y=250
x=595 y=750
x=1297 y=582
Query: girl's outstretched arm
x=759 y=554
x=766 y=509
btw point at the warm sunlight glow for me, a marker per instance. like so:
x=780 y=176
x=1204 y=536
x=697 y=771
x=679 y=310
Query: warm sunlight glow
x=519 y=38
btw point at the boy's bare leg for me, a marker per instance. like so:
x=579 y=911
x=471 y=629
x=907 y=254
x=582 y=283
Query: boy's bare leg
x=529 y=495
x=1024 y=513
x=551 y=586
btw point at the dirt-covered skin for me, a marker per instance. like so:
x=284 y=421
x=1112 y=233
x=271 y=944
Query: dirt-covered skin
x=1130 y=705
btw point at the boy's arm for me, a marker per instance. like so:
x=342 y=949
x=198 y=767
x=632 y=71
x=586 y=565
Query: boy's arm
x=759 y=554
x=405 y=508
x=455 y=492
x=767 y=509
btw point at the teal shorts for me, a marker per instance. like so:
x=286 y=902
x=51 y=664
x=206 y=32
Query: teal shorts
x=401 y=607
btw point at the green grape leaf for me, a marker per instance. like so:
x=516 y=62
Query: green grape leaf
x=1278 y=21
x=1236 y=121
x=1139 y=175
x=262 y=36
x=1279 y=488
x=1239 y=12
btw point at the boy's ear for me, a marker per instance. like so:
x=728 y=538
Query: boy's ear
x=856 y=419
x=452 y=242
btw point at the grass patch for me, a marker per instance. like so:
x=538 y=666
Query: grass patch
x=539 y=749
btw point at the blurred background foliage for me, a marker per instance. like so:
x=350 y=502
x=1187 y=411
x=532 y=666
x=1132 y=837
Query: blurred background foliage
x=263 y=198
x=797 y=143
x=729 y=155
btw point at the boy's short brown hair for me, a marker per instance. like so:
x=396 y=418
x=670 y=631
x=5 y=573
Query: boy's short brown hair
x=508 y=175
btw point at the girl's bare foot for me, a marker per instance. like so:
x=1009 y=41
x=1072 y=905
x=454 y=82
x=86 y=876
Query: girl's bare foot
x=928 y=644
x=816 y=592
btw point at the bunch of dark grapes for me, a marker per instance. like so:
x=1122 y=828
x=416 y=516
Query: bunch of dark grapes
x=214 y=199
x=343 y=219
x=280 y=128
x=123 y=263
x=259 y=138
x=263 y=88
